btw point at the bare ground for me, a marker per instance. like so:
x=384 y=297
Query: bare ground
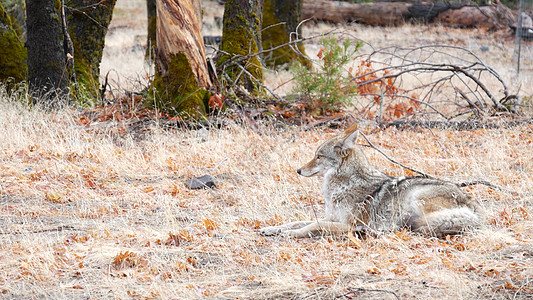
x=90 y=211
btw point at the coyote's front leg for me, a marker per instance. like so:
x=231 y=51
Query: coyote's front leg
x=281 y=229
x=322 y=226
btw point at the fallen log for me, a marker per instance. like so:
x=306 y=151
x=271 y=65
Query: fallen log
x=377 y=13
x=464 y=125
x=494 y=16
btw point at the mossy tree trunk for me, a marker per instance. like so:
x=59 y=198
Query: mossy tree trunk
x=283 y=17
x=181 y=76
x=16 y=9
x=151 y=40
x=13 y=54
x=46 y=56
x=241 y=35
x=87 y=23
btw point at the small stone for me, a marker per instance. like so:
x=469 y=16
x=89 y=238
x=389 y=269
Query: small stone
x=202 y=182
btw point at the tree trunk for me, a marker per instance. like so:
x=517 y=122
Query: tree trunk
x=492 y=16
x=46 y=58
x=13 y=55
x=181 y=70
x=87 y=23
x=241 y=35
x=151 y=39
x=16 y=11
x=283 y=17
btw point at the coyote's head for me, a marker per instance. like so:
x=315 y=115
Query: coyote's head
x=330 y=155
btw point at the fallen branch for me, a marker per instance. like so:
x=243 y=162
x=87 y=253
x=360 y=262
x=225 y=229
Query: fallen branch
x=439 y=75
x=496 y=187
x=459 y=125
x=57 y=229
x=392 y=160
x=392 y=13
x=356 y=292
x=328 y=120
x=69 y=44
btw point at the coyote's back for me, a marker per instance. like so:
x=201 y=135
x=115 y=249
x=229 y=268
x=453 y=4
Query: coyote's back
x=429 y=206
x=357 y=195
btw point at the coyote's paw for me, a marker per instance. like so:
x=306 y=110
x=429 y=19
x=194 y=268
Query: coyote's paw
x=271 y=230
x=296 y=233
x=362 y=231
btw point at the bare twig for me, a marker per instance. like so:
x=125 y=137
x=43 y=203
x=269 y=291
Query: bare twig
x=258 y=82
x=251 y=123
x=296 y=35
x=68 y=41
x=239 y=58
x=326 y=120
x=355 y=292
x=438 y=142
x=392 y=160
x=213 y=169
x=496 y=187
x=93 y=5
x=85 y=14
x=57 y=229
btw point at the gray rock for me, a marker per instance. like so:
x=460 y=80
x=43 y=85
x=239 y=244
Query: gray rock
x=202 y=182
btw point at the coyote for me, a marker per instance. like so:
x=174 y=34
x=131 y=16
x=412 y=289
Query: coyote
x=358 y=197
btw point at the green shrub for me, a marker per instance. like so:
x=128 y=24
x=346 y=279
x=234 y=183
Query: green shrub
x=328 y=87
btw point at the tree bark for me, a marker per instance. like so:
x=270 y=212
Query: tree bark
x=181 y=70
x=16 y=11
x=46 y=57
x=87 y=24
x=283 y=17
x=241 y=35
x=13 y=54
x=492 y=16
x=151 y=38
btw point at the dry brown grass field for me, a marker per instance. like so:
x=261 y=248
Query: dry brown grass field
x=90 y=210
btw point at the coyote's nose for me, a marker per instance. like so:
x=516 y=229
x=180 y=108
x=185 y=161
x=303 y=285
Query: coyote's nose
x=299 y=171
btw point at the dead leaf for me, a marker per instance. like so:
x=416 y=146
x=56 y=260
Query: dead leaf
x=209 y=224
x=56 y=197
x=320 y=53
x=216 y=102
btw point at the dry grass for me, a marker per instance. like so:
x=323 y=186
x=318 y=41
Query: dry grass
x=92 y=211
x=124 y=51
x=87 y=211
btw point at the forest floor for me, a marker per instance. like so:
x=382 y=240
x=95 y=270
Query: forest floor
x=98 y=208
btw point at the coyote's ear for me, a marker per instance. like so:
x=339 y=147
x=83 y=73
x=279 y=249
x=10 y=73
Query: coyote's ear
x=345 y=145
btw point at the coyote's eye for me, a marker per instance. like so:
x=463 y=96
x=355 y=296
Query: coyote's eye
x=318 y=156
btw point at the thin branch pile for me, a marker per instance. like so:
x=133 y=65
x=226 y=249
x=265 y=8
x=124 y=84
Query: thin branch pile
x=440 y=81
